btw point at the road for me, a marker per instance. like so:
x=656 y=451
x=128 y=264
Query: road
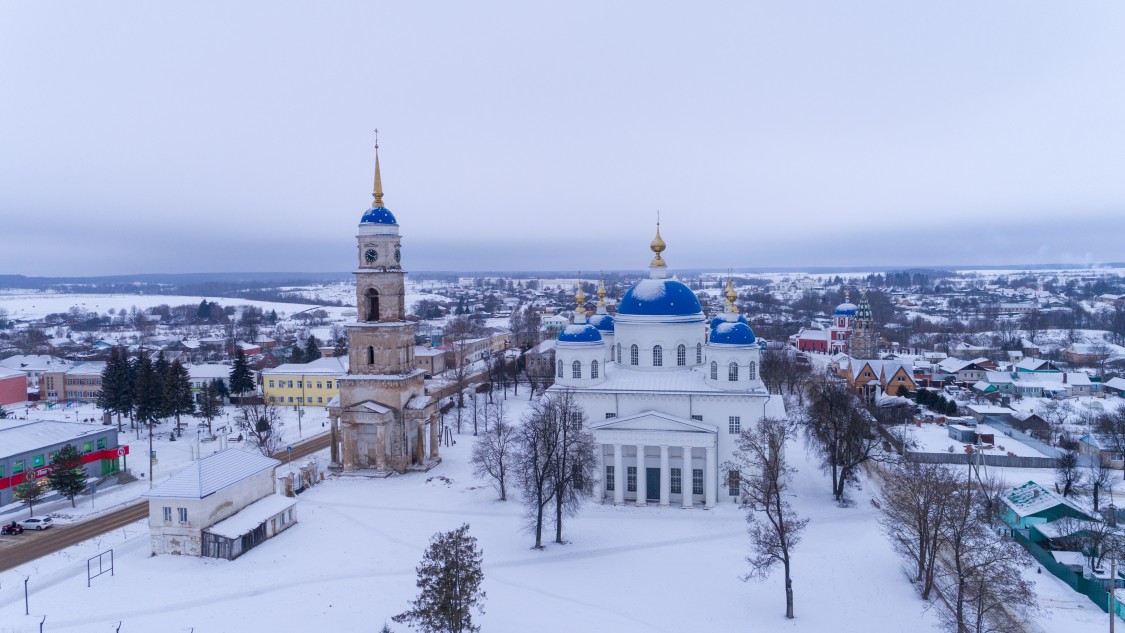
x=33 y=545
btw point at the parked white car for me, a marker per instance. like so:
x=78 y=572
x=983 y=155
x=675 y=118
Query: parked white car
x=37 y=523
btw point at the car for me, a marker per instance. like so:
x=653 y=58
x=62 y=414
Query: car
x=37 y=523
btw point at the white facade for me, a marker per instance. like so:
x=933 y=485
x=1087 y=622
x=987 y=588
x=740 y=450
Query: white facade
x=664 y=422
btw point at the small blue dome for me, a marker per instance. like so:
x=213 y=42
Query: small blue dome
x=732 y=333
x=718 y=320
x=659 y=297
x=604 y=322
x=580 y=333
x=378 y=215
x=846 y=309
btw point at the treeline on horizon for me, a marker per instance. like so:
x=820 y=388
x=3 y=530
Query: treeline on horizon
x=186 y=285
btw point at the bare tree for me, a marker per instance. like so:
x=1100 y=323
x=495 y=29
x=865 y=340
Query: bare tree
x=493 y=453
x=262 y=424
x=458 y=333
x=573 y=479
x=1111 y=427
x=536 y=441
x=1099 y=477
x=762 y=477
x=916 y=507
x=839 y=428
x=1067 y=472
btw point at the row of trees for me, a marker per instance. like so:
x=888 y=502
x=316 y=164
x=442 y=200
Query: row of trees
x=66 y=476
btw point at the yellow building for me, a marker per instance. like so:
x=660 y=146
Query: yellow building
x=312 y=384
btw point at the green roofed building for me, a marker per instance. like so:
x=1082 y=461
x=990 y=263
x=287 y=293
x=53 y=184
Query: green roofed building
x=1032 y=504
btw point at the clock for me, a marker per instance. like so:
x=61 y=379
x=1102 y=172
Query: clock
x=398 y=254
x=371 y=256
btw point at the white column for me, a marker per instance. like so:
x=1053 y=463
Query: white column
x=642 y=477
x=686 y=478
x=710 y=478
x=665 y=477
x=599 y=474
x=618 y=476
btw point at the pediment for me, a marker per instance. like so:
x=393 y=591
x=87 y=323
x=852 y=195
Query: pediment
x=368 y=406
x=653 y=421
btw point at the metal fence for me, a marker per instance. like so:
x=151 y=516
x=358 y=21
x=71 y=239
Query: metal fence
x=1088 y=587
x=983 y=459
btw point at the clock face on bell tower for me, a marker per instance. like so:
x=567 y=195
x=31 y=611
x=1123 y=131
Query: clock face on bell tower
x=371 y=256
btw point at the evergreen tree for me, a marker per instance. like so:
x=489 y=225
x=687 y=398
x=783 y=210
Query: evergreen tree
x=177 y=399
x=30 y=494
x=449 y=580
x=67 y=476
x=221 y=388
x=210 y=406
x=160 y=367
x=116 y=395
x=148 y=392
x=3 y=413
x=241 y=379
x=312 y=349
x=273 y=317
x=297 y=354
x=340 y=347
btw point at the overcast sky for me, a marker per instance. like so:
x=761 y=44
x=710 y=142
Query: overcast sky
x=237 y=136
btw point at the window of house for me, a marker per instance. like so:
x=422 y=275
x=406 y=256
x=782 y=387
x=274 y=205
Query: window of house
x=318 y=384
x=594 y=369
x=87 y=447
x=183 y=514
x=681 y=355
x=609 y=478
x=320 y=399
x=610 y=415
x=699 y=353
x=733 y=482
x=732 y=372
x=630 y=478
x=328 y=384
x=677 y=481
x=696 y=481
x=576 y=370
x=290 y=514
x=167 y=514
x=290 y=399
x=17 y=467
x=697 y=418
x=101 y=443
x=300 y=400
x=290 y=384
x=272 y=399
x=735 y=424
x=271 y=384
x=657 y=356
x=714 y=370
x=751 y=371
x=634 y=355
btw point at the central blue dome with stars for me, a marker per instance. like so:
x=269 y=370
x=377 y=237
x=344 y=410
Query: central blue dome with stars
x=378 y=215
x=659 y=297
x=732 y=333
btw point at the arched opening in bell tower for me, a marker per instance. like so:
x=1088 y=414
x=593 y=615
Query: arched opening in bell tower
x=370 y=355
x=371 y=297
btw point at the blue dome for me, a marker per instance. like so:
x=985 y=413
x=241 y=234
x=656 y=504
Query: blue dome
x=378 y=215
x=659 y=297
x=845 y=309
x=718 y=320
x=603 y=322
x=580 y=333
x=732 y=333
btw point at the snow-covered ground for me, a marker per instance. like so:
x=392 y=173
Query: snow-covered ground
x=934 y=438
x=36 y=305
x=348 y=565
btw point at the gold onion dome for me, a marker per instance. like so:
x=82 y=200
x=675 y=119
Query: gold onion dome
x=657 y=247
x=732 y=295
x=601 y=292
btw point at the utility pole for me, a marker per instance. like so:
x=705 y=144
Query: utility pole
x=1112 y=590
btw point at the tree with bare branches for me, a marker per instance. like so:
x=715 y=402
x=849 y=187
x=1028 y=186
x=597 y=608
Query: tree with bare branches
x=840 y=429
x=916 y=507
x=762 y=477
x=494 y=452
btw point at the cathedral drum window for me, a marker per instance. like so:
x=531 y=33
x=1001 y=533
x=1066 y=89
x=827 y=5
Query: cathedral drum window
x=576 y=370
x=732 y=372
x=681 y=355
x=634 y=355
x=699 y=353
x=594 y=369
x=657 y=356
x=714 y=370
x=560 y=372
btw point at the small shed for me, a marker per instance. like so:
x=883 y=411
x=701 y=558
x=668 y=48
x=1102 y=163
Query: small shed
x=962 y=433
x=1032 y=504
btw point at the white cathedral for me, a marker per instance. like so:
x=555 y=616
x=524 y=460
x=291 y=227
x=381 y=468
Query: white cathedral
x=665 y=393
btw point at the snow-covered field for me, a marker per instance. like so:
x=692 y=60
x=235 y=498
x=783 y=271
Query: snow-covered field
x=36 y=305
x=348 y=565
x=934 y=438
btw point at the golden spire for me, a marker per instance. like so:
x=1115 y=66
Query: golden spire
x=601 y=290
x=580 y=296
x=731 y=294
x=657 y=245
x=378 y=193
x=847 y=298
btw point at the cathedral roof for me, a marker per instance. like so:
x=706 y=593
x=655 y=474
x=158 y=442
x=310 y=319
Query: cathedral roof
x=659 y=297
x=715 y=322
x=603 y=322
x=846 y=308
x=731 y=333
x=580 y=333
x=378 y=215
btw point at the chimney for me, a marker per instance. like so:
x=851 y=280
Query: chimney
x=1064 y=377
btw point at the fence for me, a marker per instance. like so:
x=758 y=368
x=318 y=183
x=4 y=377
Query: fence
x=1090 y=588
x=984 y=459
x=1007 y=429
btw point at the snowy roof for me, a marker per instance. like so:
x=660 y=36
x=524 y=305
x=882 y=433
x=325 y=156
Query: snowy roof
x=1031 y=498
x=93 y=368
x=210 y=370
x=35 y=362
x=427 y=351
x=22 y=436
x=664 y=297
x=327 y=366
x=11 y=373
x=1060 y=528
x=213 y=473
x=580 y=333
x=652 y=420
x=253 y=515
x=1116 y=383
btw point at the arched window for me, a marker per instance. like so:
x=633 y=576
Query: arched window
x=634 y=355
x=370 y=355
x=560 y=369
x=750 y=373
x=732 y=371
x=657 y=356
x=618 y=359
x=681 y=355
x=714 y=370
x=576 y=370
x=372 y=302
x=594 y=369
x=699 y=353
